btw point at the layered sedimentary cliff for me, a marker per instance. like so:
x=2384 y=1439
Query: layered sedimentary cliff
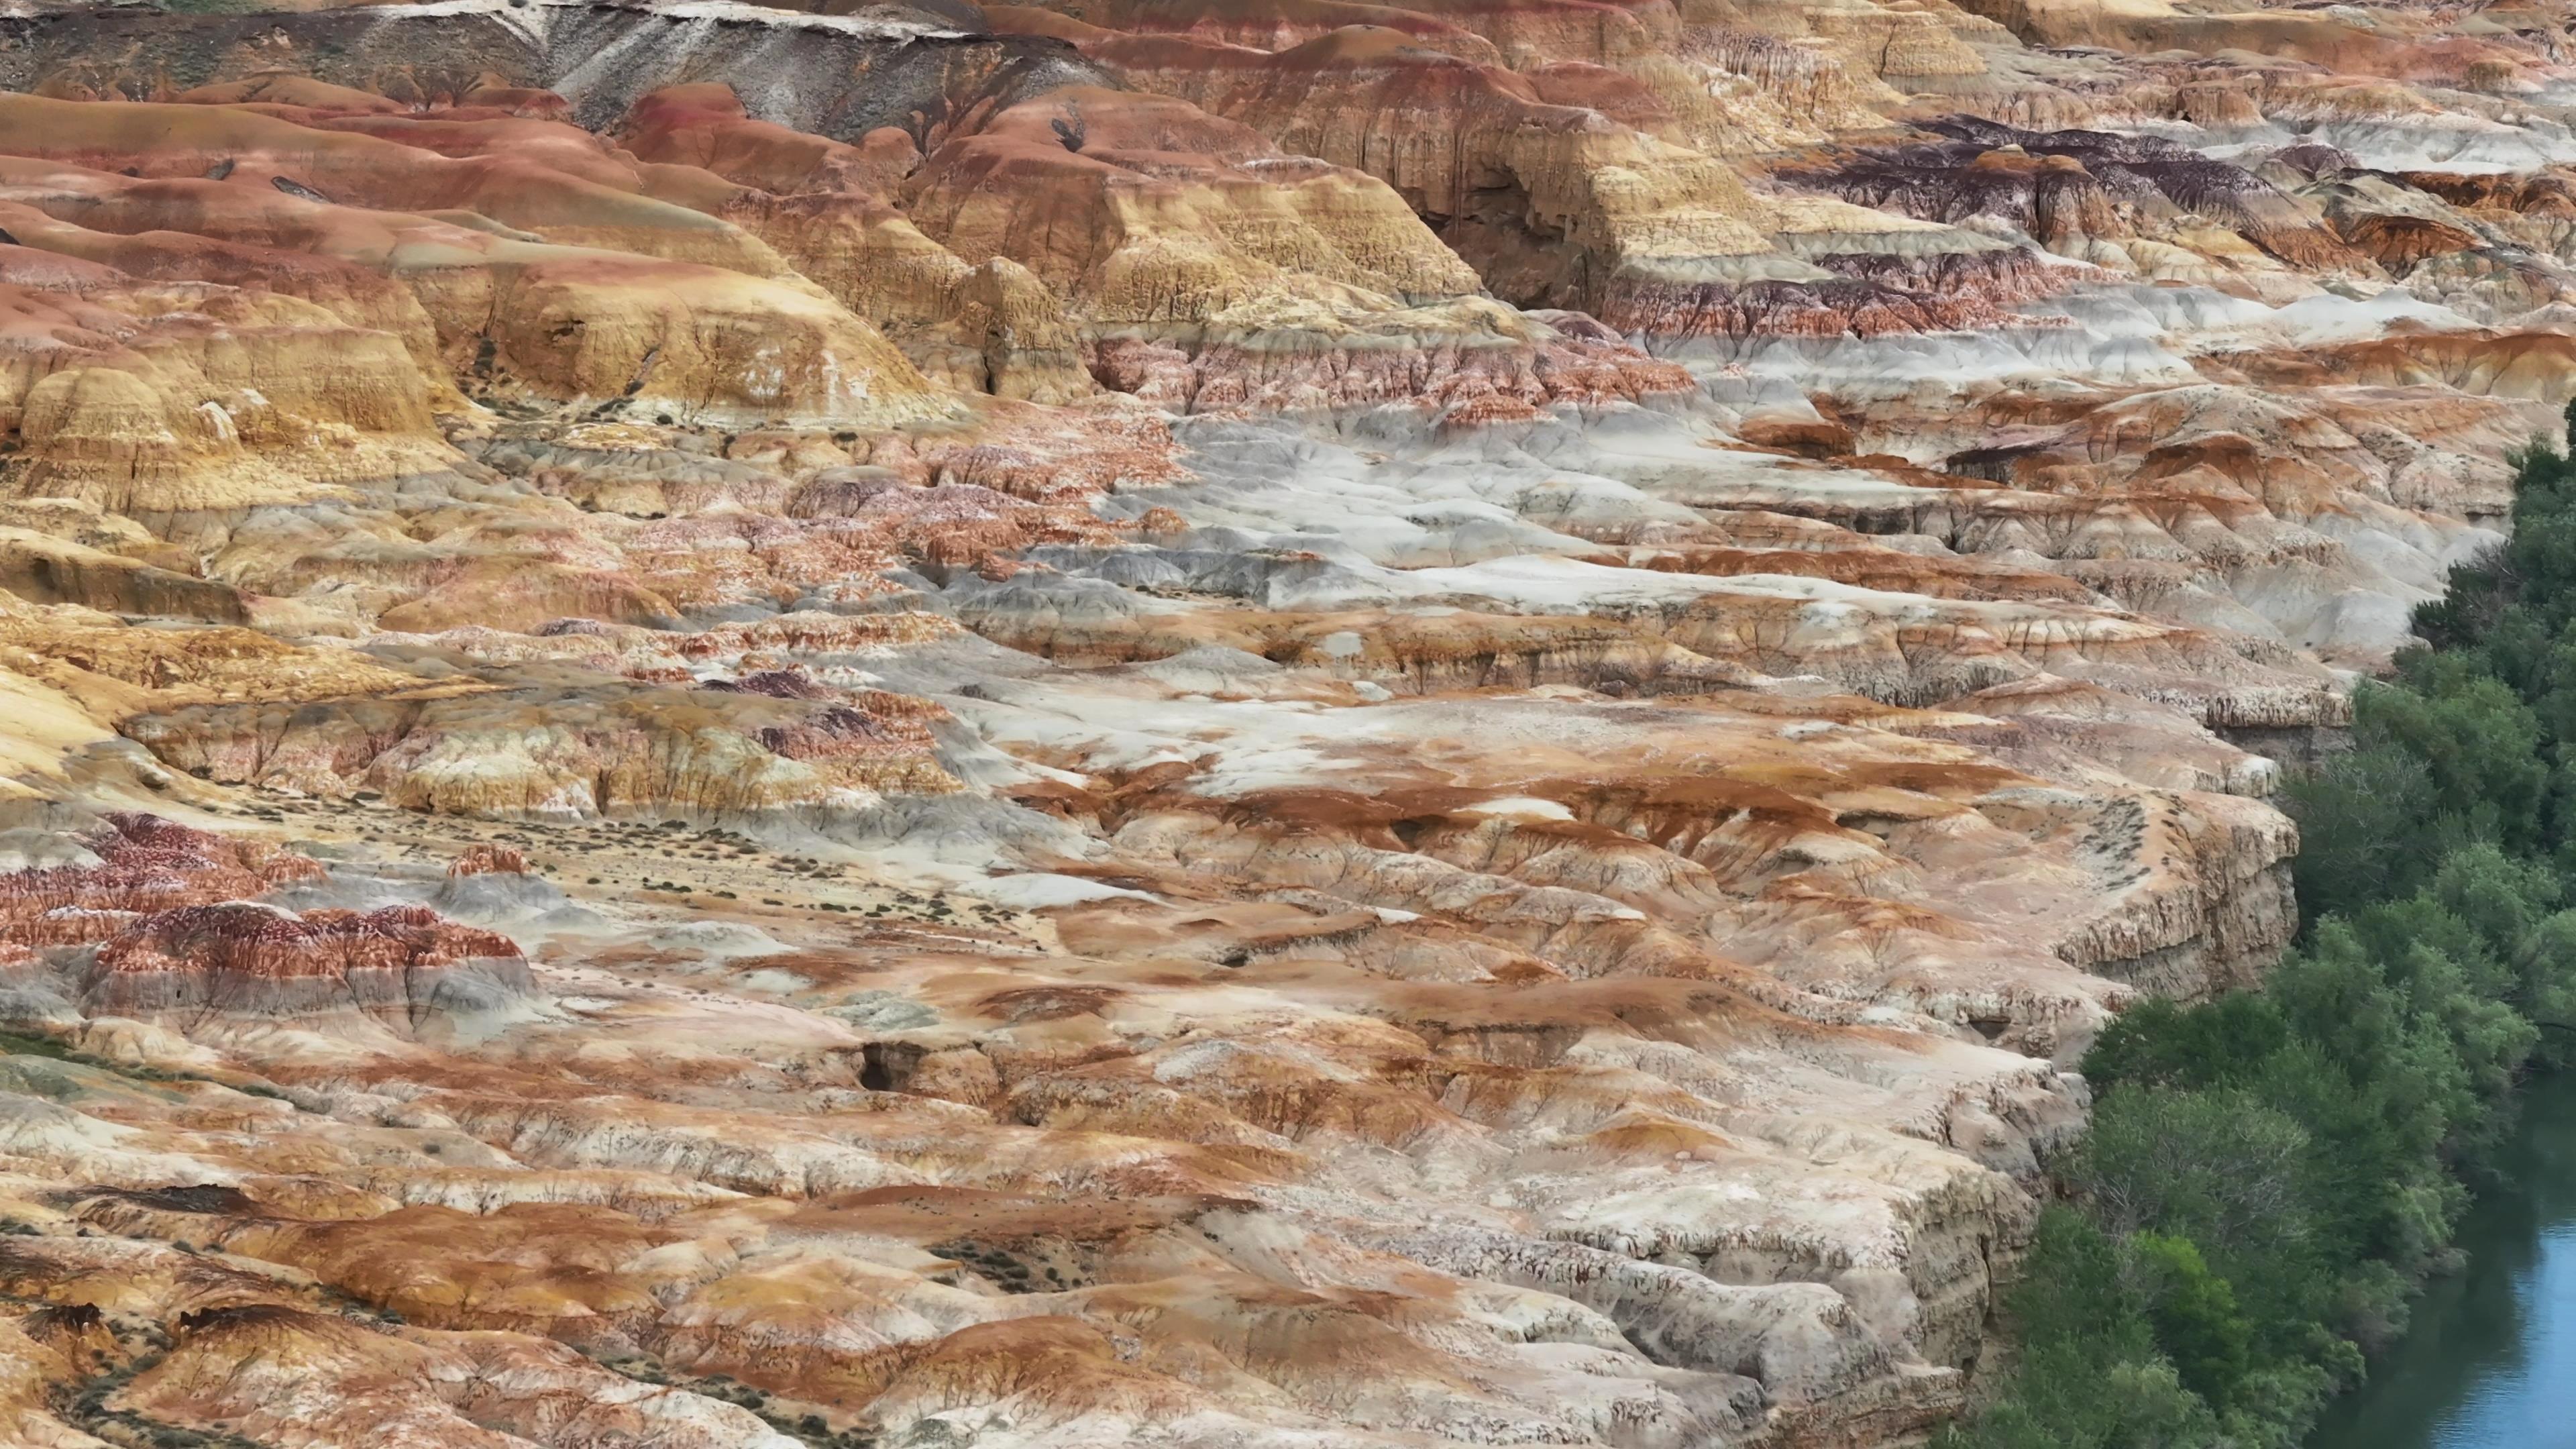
x=1258 y=723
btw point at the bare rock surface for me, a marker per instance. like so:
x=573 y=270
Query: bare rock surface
x=1266 y=723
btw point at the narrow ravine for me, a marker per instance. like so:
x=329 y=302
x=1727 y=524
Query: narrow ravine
x=2490 y=1358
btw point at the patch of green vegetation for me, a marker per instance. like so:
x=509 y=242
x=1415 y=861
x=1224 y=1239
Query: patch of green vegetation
x=15 y=1044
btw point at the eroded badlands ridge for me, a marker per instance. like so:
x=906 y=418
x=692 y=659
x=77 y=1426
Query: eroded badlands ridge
x=1252 y=723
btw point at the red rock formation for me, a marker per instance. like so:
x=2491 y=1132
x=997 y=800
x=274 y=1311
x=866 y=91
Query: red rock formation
x=1946 y=294
x=1469 y=379
x=706 y=126
x=1121 y=202
x=2399 y=242
x=1527 y=30
x=144 y=865
x=685 y=317
x=487 y=860
x=1509 y=176
x=2068 y=185
x=2550 y=193
x=403 y=963
x=596 y=746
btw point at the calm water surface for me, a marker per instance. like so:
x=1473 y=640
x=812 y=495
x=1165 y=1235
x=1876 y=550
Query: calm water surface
x=2491 y=1360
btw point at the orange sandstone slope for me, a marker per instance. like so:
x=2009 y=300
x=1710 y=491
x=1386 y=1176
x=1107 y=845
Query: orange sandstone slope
x=1256 y=723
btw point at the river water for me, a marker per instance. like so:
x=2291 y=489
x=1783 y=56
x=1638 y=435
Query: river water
x=2490 y=1359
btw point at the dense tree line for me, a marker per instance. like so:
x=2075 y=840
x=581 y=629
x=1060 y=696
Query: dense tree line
x=2269 y=1174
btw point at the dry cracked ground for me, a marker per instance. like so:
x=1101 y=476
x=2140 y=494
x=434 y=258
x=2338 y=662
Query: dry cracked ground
x=1266 y=723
